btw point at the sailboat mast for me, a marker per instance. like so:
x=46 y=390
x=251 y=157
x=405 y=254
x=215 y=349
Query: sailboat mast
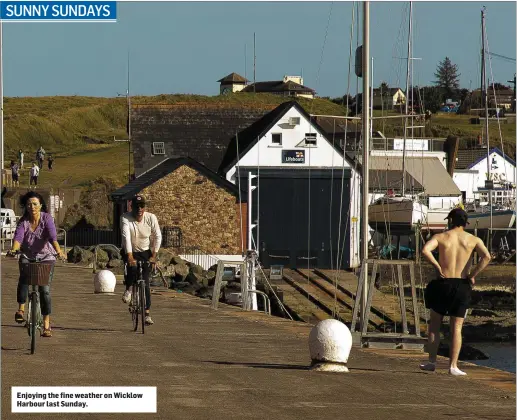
x=407 y=96
x=483 y=71
x=366 y=150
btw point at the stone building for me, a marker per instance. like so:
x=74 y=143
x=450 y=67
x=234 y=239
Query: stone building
x=185 y=194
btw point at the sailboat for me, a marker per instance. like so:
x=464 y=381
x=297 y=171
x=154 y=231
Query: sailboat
x=492 y=216
x=399 y=213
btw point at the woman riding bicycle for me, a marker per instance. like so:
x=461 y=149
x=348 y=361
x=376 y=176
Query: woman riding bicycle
x=36 y=238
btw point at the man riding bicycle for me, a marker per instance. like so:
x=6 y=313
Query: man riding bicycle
x=141 y=240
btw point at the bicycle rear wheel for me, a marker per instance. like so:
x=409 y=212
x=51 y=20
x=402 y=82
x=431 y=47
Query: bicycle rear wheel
x=142 y=303
x=134 y=307
x=28 y=322
x=34 y=321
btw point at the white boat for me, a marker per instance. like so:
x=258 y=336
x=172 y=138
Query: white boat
x=501 y=219
x=396 y=214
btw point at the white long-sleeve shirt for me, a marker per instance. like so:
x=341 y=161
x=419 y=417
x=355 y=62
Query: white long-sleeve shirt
x=140 y=236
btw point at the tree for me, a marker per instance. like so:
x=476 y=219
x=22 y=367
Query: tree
x=432 y=97
x=447 y=77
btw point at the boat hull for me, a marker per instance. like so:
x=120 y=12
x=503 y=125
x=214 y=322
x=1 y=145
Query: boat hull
x=501 y=219
x=396 y=217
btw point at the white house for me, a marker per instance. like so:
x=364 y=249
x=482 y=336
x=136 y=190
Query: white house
x=471 y=172
x=299 y=198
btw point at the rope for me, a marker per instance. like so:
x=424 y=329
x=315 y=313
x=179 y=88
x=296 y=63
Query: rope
x=344 y=162
x=309 y=152
x=497 y=114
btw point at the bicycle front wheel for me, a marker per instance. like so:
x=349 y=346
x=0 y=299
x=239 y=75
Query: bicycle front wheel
x=34 y=321
x=142 y=304
x=134 y=308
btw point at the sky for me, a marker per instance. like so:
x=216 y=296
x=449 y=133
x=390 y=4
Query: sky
x=185 y=47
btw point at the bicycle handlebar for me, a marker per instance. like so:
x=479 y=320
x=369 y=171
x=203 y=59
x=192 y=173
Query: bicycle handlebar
x=18 y=253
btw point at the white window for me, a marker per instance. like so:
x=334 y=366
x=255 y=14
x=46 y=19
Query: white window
x=310 y=139
x=276 y=139
x=158 y=148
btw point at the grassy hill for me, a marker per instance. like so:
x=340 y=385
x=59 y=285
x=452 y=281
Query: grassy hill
x=68 y=123
x=81 y=129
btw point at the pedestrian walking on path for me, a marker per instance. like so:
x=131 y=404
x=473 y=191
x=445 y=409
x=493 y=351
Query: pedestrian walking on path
x=34 y=173
x=50 y=162
x=450 y=294
x=20 y=158
x=15 y=173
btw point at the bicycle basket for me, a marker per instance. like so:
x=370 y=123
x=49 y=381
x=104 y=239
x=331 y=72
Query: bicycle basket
x=38 y=274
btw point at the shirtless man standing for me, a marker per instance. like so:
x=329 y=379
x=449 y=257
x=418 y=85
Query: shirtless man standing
x=450 y=293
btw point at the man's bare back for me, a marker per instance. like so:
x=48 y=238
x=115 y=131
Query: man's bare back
x=455 y=248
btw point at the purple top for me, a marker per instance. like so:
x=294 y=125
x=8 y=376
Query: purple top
x=37 y=244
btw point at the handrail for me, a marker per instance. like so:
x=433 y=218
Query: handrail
x=267 y=302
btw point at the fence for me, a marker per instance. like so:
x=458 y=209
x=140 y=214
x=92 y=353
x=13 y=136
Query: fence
x=172 y=237
x=90 y=237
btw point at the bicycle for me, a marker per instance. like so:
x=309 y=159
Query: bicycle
x=137 y=304
x=37 y=273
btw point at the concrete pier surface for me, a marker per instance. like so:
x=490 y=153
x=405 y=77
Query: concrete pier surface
x=225 y=364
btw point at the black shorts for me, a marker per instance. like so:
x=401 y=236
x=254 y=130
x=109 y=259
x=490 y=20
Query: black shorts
x=34 y=180
x=448 y=296
x=15 y=177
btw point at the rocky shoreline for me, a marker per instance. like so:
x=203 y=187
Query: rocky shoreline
x=179 y=274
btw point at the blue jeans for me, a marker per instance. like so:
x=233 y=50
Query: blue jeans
x=23 y=288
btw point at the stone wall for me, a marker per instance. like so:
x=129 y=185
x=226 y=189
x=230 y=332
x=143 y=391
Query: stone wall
x=207 y=214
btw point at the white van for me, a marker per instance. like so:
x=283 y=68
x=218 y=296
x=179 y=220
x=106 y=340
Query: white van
x=7 y=223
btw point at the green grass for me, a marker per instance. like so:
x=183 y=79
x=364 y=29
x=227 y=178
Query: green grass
x=64 y=123
x=76 y=169
x=442 y=125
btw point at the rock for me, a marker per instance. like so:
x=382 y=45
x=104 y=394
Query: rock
x=101 y=265
x=191 y=290
x=203 y=293
x=176 y=260
x=115 y=263
x=233 y=285
x=77 y=255
x=169 y=271
x=102 y=256
x=196 y=269
x=213 y=268
x=195 y=278
x=164 y=256
x=112 y=251
x=181 y=272
x=180 y=285
x=210 y=275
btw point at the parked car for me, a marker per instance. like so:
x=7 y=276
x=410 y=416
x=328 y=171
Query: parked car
x=7 y=223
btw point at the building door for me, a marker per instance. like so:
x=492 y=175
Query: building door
x=296 y=226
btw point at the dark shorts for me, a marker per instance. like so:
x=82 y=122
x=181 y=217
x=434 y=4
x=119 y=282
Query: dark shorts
x=34 y=180
x=448 y=296
x=15 y=177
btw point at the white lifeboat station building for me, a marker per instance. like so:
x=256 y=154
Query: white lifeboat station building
x=304 y=205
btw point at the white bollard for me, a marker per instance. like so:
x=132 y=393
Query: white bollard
x=330 y=342
x=104 y=282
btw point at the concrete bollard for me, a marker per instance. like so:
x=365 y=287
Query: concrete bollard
x=330 y=342
x=104 y=282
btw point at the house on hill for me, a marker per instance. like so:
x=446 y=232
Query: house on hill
x=232 y=83
x=289 y=86
x=385 y=99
